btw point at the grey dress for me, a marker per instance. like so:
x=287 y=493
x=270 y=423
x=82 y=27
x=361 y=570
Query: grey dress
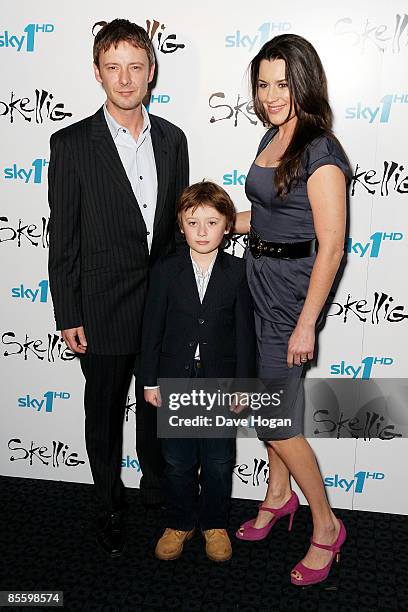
x=279 y=286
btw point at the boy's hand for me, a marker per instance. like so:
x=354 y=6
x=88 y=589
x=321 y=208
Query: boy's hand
x=236 y=406
x=153 y=396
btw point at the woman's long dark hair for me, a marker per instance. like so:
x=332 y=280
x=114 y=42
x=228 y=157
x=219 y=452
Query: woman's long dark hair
x=308 y=90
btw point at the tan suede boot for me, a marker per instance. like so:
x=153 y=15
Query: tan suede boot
x=217 y=545
x=170 y=546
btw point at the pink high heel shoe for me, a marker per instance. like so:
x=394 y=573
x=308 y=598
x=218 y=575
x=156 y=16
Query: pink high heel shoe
x=313 y=576
x=254 y=533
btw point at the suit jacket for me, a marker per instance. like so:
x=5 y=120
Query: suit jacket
x=99 y=259
x=176 y=320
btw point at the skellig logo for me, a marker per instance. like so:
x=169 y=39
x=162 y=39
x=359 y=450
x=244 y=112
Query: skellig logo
x=391 y=170
x=372 y=248
x=29 y=109
x=366 y=424
x=364 y=370
x=234 y=178
x=22 y=234
x=165 y=43
x=128 y=462
x=47 y=402
x=254 y=474
x=47 y=350
x=242 y=107
x=358 y=481
x=263 y=33
x=23 y=293
x=130 y=409
x=33 y=173
x=368 y=113
x=16 y=41
x=384 y=37
x=381 y=309
x=57 y=453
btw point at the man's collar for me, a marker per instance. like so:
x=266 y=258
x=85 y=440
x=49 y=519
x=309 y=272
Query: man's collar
x=115 y=127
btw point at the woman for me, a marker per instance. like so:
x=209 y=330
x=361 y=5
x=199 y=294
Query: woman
x=297 y=187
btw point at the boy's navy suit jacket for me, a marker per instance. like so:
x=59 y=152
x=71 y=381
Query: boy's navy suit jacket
x=175 y=321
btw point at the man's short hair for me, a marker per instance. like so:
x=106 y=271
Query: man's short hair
x=122 y=30
x=206 y=193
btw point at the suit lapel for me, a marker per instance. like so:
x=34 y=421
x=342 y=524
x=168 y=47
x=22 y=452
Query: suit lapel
x=188 y=281
x=108 y=155
x=160 y=149
x=218 y=280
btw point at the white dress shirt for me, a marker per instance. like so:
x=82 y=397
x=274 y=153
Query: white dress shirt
x=137 y=157
x=202 y=279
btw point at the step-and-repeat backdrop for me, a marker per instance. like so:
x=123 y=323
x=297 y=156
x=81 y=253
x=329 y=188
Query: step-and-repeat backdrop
x=203 y=51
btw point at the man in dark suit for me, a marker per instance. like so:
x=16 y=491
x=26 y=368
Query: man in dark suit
x=199 y=323
x=114 y=179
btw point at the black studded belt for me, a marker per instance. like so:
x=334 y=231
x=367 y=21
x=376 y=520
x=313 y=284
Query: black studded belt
x=280 y=250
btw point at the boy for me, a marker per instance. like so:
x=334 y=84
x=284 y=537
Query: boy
x=199 y=322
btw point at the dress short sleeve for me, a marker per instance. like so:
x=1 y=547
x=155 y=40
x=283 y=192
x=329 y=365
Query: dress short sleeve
x=325 y=151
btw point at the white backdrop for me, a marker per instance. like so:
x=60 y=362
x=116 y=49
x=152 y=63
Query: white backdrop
x=203 y=53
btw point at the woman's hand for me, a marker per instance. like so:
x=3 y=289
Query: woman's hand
x=301 y=344
x=153 y=396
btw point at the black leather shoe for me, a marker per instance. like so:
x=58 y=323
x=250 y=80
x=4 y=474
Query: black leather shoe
x=112 y=538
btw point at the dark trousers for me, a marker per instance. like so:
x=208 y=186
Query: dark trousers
x=197 y=480
x=107 y=383
x=148 y=448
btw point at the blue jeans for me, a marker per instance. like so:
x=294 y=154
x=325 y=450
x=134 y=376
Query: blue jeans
x=197 y=481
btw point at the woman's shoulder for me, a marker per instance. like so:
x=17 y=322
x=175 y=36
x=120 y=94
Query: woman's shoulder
x=325 y=149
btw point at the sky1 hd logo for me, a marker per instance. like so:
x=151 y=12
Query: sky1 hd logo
x=131 y=462
x=372 y=248
x=380 y=113
x=158 y=99
x=24 y=41
x=256 y=39
x=234 y=178
x=45 y=403
x=357 y=483
x=364 y=370
x=33 y=173
x=37 y=294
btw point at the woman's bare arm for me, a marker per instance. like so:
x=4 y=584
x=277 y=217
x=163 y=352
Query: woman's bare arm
x=326 y=190
x=242 y=222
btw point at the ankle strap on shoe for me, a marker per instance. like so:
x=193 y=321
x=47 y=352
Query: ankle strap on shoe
x=271 y=510
x=330 y=547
